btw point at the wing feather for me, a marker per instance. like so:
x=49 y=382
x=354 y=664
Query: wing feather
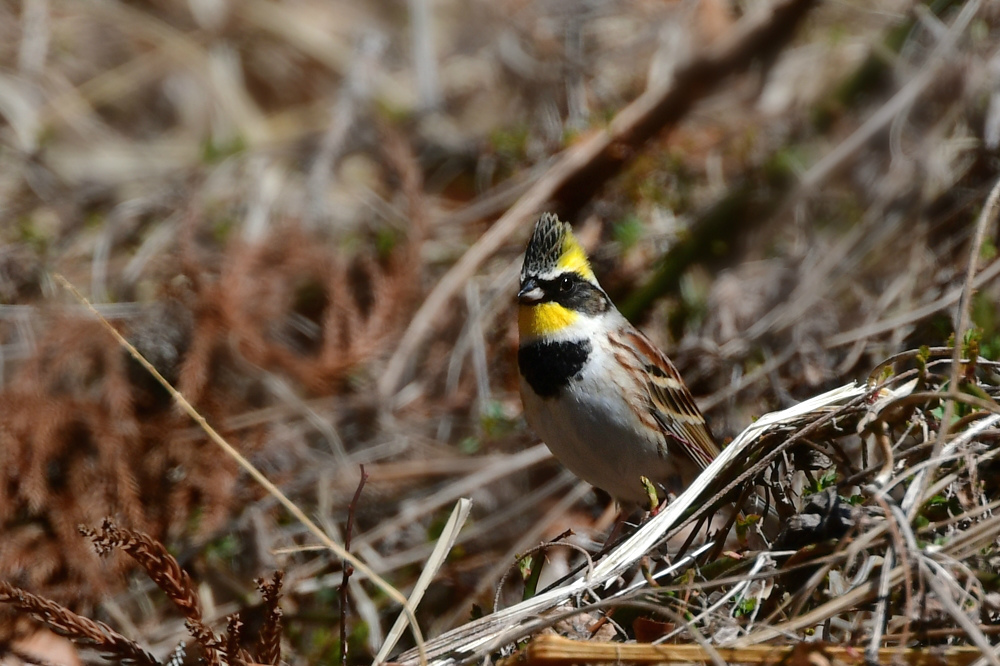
x=667 y=399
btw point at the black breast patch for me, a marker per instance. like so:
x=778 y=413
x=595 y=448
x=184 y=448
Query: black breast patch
x=548 y=366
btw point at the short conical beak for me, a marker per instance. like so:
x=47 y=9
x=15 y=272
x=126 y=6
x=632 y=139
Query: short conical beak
x=530 y=292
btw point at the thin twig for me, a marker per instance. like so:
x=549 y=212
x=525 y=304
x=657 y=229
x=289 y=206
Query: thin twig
x=348 y=570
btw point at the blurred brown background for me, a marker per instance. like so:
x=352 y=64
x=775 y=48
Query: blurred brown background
x=262 y=194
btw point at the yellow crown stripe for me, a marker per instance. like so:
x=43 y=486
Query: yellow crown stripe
x=574 y=259
x=543 y=319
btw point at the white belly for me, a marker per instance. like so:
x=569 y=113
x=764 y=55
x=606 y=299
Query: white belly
x=589 y=427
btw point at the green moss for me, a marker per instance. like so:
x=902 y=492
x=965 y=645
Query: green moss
x=386 y=240
x=494 y=420
x=33 y=232
x=569 y=136
x=323 y=647
x=939 y=508
x=988 y=250
x=222 y=228
x=437 y=525
x=224 y=550
x=358 y=637
x=659 y=177
x=510 y=143
x=627 y=231
x=393 y=115
x=723 y=566
x=828 y=480
x=744 y=607
x=985 y=317
x=940 y=326
x=214 y=151
x=194 y=520
x=784 y=164
x=979 y=32
x=469 y=446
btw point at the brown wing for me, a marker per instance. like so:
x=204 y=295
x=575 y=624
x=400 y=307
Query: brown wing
x=669 y=402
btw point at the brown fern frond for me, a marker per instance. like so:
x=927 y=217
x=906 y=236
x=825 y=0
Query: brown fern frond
x=268 y=648
x=235 y=655
x=77 y=628
x=210 y=644
x=206 y=344
x=401 y=158
x=161 y=566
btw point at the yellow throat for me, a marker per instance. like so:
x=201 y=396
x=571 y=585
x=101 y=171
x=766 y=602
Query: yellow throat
x=543 y=319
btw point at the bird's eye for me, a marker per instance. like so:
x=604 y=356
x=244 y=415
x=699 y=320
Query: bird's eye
x=565 y=283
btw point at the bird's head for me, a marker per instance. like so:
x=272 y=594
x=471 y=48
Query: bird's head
x=558 y=288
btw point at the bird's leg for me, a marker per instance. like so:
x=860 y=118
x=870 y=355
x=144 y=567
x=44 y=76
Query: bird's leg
x=617 y=530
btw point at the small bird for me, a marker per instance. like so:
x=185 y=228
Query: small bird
x=606 y=401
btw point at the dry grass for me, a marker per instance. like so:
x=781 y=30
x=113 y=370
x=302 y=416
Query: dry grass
x=262 y=196
x=164 y=570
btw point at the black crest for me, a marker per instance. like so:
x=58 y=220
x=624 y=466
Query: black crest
x=545 y=246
